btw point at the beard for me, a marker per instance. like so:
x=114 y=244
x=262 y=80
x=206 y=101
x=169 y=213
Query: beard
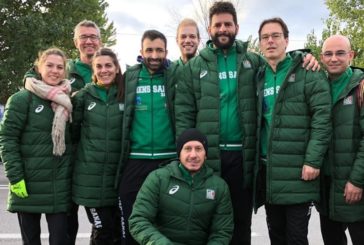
x=190 y=55
x=154 y=67
x=227 y=45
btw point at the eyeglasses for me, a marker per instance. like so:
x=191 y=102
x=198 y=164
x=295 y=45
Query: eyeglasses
x=93 y=38
x=275 y=36
x=338 y=54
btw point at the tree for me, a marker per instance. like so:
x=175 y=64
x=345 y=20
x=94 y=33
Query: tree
x=28 y=26
x=346 y=18
x=313 y=44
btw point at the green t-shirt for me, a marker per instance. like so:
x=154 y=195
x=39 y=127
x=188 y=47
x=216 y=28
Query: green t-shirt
x=230 y=131
x=338 y=85
x=273 y=82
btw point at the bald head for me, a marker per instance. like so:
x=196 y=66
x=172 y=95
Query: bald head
x=337 y=39
x=336 y=55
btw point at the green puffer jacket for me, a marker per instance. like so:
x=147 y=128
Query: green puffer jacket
x=97 y=127
x=198 y=103
x=131 y=78
x=346 y=151
x=26 y=150
x=169 y=210
x=299 y=134
x=77 y=81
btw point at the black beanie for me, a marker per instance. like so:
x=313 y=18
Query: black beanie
x=191 y=134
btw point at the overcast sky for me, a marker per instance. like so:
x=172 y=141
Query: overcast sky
x=132 y=17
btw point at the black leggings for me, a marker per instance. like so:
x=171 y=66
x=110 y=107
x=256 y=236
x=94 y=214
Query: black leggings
x=30 y=228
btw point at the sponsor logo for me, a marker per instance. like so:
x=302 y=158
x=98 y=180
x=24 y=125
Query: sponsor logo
x=247 y=64
x=348 y=100
x=121 y=106
x=173 y=190
x=292 y=78
x=91 y=106
x=72 y=80
x=225 y=75
x=39 y=108
x=203 y=73
x=210 y=194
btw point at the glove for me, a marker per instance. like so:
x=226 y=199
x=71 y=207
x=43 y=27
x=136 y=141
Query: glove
x=19 y=189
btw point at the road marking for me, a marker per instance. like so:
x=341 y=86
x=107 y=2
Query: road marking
x=9 y=236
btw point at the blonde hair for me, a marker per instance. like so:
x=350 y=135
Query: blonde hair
x=188 y=22
x=42 y=55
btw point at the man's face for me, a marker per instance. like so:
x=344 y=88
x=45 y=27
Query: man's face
x=192 y=156
x=188 y=41
x=223 y=30
x=87 y=41
x=154 y=53
x=272 y=42
x=336 y=56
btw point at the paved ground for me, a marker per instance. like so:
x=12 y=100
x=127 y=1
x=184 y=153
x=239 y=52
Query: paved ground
x=9 y=229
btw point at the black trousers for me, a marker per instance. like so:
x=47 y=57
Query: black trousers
x=288 y=224
x=134 y=174
x=241 y=198
x=333 y=232
x=105 y=225
x=72 y=220
x=30 y=228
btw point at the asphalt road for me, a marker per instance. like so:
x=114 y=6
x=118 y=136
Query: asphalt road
x=10 y=233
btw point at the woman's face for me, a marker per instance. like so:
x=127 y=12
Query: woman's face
x=52 y=69
x=104 y=69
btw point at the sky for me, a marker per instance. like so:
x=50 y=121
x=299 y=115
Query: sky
x=132 y=17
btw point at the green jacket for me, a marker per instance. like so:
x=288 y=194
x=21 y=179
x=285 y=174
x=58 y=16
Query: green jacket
x=97 y=128
x=131 y=78
x=77 y=80
x=346 y=152
x=170 y=210
x=299 y=134
x=198 y=103
x=26 y=150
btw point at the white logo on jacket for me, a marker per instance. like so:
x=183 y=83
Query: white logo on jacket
x=39 y=108
x=210 y=194
x=203 y=73
x=91 y=106
x=121 y=106
x=292 y=78
x=72 y=80
x=173 y=190
x=348 y=100
x=247 y=64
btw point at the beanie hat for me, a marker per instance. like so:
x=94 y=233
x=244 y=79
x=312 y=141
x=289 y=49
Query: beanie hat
x=191 y=134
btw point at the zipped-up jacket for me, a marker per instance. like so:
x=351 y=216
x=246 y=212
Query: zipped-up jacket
x=171 y=210
x=97 y=131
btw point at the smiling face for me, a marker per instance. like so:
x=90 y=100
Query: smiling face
x=87 y=41
x=223 y=30
x=52 y=69
x=188 y=41
x=192 y=156
x=272 y=42
x=154 y=54
x=336 y=55
x=105 y=70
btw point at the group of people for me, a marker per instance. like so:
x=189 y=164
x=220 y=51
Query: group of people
x=182 y=152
